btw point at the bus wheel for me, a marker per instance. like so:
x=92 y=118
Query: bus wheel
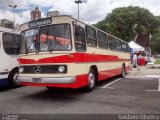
x=13 y=79
x=123 y=72
x=91 y=81
x=50 y=88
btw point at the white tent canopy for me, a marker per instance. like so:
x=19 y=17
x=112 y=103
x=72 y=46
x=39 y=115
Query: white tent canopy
x=135 y=46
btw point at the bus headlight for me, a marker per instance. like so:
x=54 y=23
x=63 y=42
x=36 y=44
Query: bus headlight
x=21 y=69
x=61 y=69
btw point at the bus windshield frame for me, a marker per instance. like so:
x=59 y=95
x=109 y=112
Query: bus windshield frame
x=55 y=37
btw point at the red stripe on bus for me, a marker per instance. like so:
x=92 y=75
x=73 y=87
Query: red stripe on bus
x=110 y=73
x=26 y=61
x=72 y=58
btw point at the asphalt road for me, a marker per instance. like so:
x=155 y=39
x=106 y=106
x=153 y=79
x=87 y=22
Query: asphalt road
x=133 y=95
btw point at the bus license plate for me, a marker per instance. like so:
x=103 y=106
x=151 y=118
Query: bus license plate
x=37 y=80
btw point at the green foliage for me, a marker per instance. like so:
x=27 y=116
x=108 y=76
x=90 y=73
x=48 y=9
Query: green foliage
x=126 y=22
x=155 y=42
x=157 y=61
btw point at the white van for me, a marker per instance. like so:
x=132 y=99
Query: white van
x=9 y=50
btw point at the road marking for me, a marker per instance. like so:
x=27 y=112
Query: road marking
x=106 y=86
x=134 y=76
x=110 y=88
x=154 y=76
x=152 y=90
x=145 y=76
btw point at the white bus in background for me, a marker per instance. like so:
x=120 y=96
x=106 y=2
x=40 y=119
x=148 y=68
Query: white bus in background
x=9 y=50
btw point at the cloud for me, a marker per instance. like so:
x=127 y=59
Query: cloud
x=152 y=5
x=91 y=12
x=4 y=4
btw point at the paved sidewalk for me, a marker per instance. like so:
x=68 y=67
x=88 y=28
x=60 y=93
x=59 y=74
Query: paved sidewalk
x=144 y=70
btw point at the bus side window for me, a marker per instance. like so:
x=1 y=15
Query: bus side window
x=17 y=42
x=79 y=36
x=102 y=40
x=118 y=45
x=111 y=43
x=125 y=47
x=91 y=36
x=11 y=43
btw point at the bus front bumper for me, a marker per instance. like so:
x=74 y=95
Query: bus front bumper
x=71 y=79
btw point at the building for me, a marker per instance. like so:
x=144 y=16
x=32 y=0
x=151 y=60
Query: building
x=35 y=14
x=53 y=13
x=6 y=23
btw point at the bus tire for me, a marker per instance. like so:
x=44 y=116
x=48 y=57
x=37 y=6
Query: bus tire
x=91 y=81
x=123 y=72
x=13 y=79
x=50 y=88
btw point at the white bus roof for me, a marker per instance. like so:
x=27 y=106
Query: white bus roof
x=26 y=25
x=9 y=30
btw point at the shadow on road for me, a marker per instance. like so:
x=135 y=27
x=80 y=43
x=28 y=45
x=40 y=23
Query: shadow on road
x=60 y=94
x=4 y=88
x=55 y=95
x=107 y=81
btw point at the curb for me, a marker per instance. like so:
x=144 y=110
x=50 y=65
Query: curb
x=153 y=66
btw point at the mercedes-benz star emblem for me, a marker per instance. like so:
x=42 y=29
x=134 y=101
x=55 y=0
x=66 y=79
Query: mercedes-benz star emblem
x=37 y=69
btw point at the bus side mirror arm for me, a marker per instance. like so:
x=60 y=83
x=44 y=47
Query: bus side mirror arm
x=78 y=31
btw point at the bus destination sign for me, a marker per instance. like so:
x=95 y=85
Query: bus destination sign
x=40 y=22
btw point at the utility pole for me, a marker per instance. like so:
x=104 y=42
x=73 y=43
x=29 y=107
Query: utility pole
x=13 y=6
x=78 y=2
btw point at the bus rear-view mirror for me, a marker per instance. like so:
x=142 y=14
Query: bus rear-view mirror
x=78 y=31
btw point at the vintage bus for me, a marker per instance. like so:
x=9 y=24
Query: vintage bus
x=9 y=50
x=61 y=51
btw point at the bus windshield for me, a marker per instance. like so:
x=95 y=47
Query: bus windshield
x=28 y=43
x=46 y=38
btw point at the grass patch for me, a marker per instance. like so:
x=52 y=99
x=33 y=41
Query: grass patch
x=157 y=61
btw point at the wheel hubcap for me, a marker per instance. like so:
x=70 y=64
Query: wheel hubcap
x=15 y=78
x=91 y=80
x=123 y=72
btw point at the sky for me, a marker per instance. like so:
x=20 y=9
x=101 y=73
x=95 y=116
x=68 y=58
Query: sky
x=91 y=11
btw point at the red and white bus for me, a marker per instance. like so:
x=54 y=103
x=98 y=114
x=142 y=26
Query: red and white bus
x=64 y=52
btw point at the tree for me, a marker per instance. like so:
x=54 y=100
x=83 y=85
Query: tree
x=155 y=42
x=126 y=22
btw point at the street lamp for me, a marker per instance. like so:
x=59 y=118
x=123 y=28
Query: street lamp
x=13 y=6
x=78 y=2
